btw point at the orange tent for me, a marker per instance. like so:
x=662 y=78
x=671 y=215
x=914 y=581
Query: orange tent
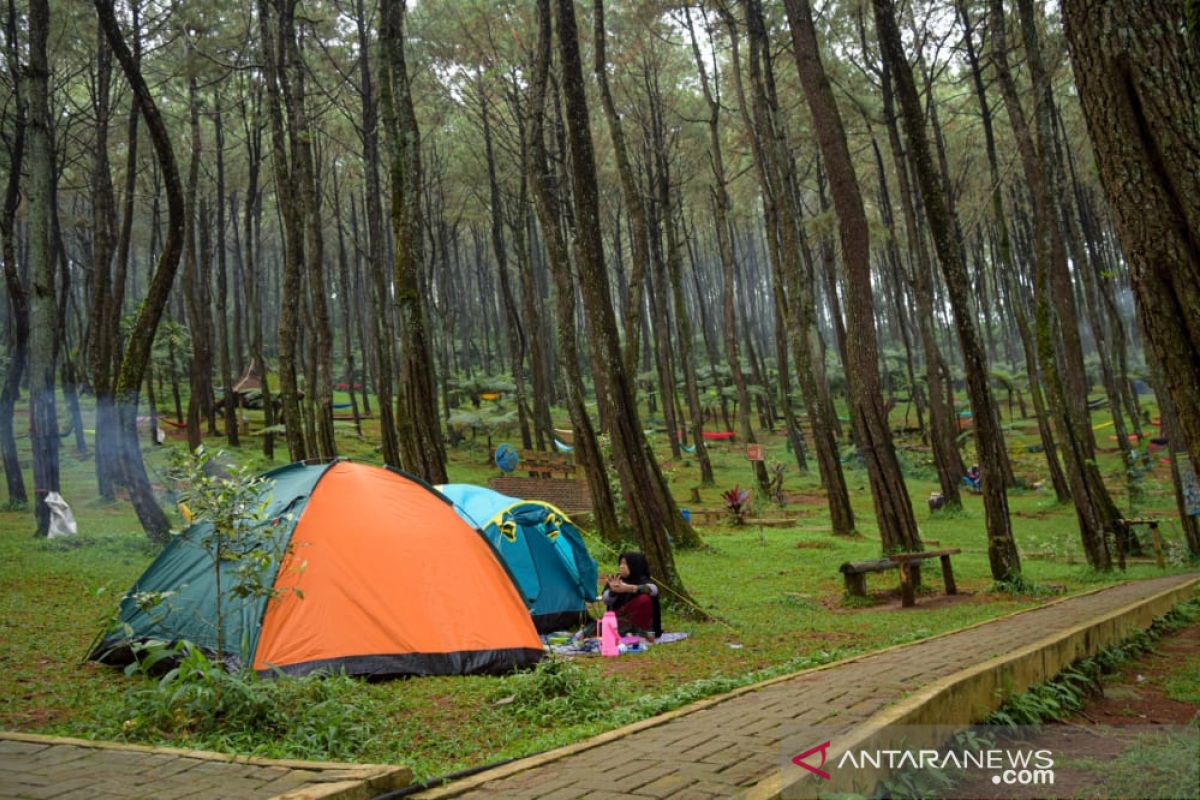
x=381 y=578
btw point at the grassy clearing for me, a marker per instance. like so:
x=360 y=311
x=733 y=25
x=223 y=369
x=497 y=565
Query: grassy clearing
x=776 y=591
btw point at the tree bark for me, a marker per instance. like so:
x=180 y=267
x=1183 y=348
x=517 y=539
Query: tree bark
x=383 y=331
x=43 y=422
x=1137 y=78
x=18 y=293
x=512 y=320
x=1094 y=509
x=420 y=434
x=795 y=302
x=893 y=508
x=544 y=187
x=1008 y=267
x=103 y=317
x=652 y=509
x=629 y=192
x=140 y=340
x=228 y=407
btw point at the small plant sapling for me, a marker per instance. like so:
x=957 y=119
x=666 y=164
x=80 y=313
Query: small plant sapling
x=242 y=545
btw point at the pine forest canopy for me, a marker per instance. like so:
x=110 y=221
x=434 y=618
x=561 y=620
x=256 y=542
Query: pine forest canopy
x=721 y=215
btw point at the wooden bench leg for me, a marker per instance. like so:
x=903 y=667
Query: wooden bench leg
x=1156 y=539
x=856 y=584
x=948 y=576
x=907 y=597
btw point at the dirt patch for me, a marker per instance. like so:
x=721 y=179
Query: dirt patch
x=1112 y=728
x=804 y=499
x=928 y=598
x=890 y=600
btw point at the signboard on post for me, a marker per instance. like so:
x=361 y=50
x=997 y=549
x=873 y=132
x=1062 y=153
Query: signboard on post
x=1189 y=484
x=754 y=452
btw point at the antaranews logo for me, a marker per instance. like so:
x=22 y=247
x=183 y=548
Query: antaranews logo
x=1011 y=767
x=823 y=749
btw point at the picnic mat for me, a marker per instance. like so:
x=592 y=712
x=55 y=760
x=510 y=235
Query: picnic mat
x=591 y=647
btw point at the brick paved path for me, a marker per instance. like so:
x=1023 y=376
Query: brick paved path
x=44 y=767
x=717 y=751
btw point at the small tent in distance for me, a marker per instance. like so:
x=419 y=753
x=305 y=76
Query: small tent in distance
x=541 y=547
x=392 y=583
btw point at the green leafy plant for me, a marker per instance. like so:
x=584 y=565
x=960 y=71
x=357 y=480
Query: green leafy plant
x=317 y=716
x=557 y=689
x=232 y=506
x=737 y=501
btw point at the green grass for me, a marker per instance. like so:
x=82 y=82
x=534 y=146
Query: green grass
x=776 y=592
x=1184 y=685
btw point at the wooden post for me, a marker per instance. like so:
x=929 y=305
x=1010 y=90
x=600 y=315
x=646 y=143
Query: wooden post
x=1158 y=545
x=907 y=598
x=856 y=584
x=948 y=576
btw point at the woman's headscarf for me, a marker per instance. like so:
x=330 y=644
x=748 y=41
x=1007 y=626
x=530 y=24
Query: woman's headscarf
x=639 y=573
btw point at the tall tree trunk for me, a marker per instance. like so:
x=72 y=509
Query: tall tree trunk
x=383 y=331
x=512 y=319
x=308 y=195
x=274 y=47
x=420 y=434
x=227 y=404
x=893 y=509
x=652 y=509
x=345 y=292
x=721 y=208
x=943 y=429
x=629 y=192
x=780 y=201
x=18 y=294
x=1093 y=507
x=1137 y=77
x=989 y=442
x=198 y=369
x=252 y=271
x=683 y=325
x=43 y=423
x=140 y=340
x=1008 y=267
x=544 y=186
x=103 y=317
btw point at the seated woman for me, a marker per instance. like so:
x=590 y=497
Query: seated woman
x=634 y=597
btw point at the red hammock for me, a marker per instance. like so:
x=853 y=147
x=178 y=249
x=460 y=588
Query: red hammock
x=711 y=435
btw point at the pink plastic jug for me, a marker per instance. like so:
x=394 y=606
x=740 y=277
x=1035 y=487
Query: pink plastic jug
x=610 y=640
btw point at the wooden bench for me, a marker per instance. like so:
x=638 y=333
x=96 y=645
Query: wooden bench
x=546 y=464
x=909 y=564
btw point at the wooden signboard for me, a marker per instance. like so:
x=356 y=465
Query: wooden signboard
x=754 y=452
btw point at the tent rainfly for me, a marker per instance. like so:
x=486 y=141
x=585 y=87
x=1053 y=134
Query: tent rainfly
x=375 y=575
x=541 y=548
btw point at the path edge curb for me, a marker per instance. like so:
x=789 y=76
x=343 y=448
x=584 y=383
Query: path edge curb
x=361 y=782
x=962 y=698
x=455 y=788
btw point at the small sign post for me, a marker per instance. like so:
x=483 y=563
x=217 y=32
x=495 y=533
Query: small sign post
x=754 y=452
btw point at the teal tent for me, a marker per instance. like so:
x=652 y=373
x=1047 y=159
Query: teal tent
x=540 y=546
x=372 y=573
